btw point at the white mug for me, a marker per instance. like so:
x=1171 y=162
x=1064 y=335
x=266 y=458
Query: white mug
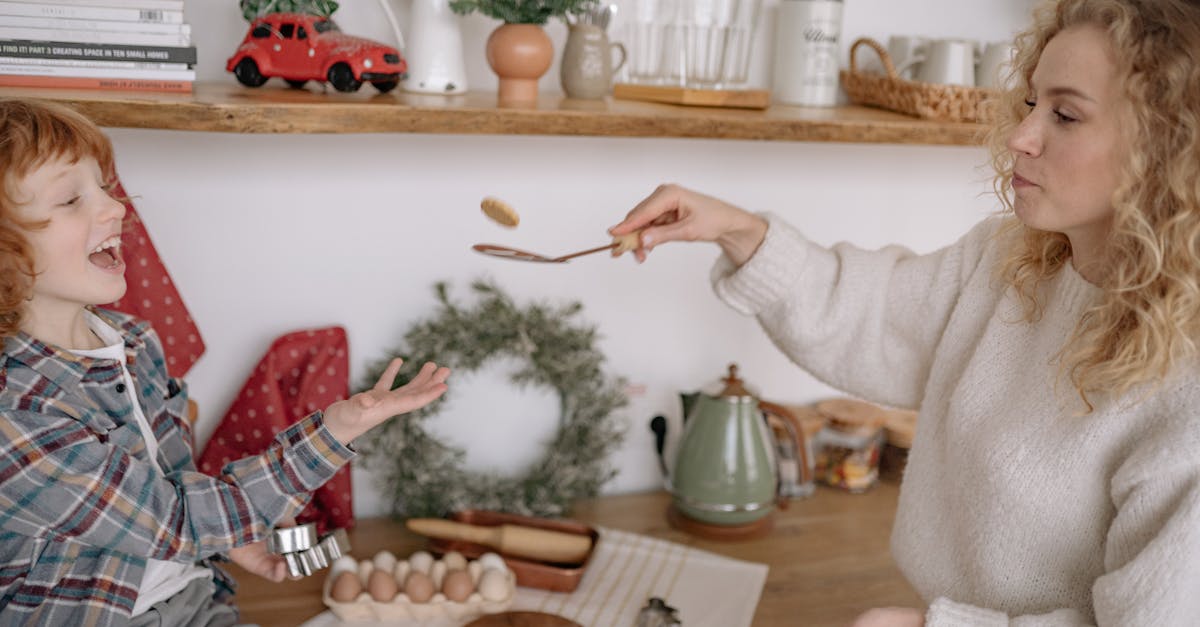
x=907 y=53
x=949 y=62
x=994 y=65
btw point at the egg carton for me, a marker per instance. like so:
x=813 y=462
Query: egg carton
x=493 y=587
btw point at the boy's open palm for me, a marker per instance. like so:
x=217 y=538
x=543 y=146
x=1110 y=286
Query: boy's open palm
x=360 y=413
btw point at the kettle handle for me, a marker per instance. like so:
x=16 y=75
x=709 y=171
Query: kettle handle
x=780 y=415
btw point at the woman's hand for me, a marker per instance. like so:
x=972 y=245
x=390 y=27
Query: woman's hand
x=890 y=617
x=360 y=413
x=673 y=213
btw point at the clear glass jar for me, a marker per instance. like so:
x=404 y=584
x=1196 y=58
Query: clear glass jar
x=847 y=453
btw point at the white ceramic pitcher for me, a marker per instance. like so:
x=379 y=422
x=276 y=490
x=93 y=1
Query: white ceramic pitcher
x=435 y=50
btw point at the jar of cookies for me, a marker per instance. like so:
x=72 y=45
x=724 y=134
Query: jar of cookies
x=848 y=447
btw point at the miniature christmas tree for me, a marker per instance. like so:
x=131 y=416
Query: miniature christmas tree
x=520 y=11
x=252 y=9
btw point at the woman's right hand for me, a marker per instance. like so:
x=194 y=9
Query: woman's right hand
x=673 y=213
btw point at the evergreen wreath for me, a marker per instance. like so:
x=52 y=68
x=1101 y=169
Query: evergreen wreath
x=424 y=476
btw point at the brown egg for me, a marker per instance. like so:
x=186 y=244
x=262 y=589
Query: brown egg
x=382 y=585
x=418 y=587
x=457 y=585
x=346 y=587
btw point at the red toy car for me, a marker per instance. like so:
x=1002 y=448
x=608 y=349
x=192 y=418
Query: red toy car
x=299 y=48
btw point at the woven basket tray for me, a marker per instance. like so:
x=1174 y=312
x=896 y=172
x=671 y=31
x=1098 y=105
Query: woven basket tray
x=934 y=101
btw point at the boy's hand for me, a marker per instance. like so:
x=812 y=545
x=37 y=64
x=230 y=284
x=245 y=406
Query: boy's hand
x=360 y=413
x=255 y=559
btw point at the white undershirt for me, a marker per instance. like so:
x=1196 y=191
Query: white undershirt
x=162 y=579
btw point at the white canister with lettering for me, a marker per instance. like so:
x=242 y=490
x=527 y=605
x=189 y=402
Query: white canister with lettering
x=806 y=52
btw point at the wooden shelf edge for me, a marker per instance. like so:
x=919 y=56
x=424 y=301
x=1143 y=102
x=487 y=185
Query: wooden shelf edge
x=218 y=107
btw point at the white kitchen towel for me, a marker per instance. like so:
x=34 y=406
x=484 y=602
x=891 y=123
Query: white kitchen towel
x=626 y=569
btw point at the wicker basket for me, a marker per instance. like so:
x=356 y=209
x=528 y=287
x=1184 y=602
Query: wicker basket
x=952 y=103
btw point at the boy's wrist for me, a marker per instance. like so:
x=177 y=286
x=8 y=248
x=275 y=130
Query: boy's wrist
x=335 y=425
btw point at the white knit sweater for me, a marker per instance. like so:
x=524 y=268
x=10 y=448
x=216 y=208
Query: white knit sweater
x=1015 y=508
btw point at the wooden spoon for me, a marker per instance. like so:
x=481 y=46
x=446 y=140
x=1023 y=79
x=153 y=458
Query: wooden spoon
x=496 y=250
x=621 y=244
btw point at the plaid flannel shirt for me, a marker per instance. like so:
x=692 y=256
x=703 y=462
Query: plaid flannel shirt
x=81 y=507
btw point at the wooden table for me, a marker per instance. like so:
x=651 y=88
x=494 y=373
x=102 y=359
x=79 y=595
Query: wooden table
x=828 y=557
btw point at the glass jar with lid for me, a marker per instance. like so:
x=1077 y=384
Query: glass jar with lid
x=848 y=447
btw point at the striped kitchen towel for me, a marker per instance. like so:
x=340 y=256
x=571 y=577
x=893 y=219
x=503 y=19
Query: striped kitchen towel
x=709 y=590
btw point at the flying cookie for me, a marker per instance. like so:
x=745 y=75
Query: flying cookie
x=500 y=211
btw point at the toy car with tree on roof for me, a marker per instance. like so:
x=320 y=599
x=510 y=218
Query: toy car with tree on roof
x=300 y=47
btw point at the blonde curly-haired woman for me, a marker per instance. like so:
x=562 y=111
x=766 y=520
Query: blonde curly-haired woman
x=1052 y=351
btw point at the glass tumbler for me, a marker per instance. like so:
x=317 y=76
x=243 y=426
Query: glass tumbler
x=655 y=42
x=718 y=39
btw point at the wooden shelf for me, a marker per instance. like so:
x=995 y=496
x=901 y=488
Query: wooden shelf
x=231 y=108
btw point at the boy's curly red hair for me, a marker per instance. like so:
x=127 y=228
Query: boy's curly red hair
x=32 y=133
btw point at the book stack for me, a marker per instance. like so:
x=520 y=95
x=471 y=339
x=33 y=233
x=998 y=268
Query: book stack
x=97 y=44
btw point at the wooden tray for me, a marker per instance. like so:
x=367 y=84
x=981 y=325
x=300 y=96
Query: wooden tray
x=530 y=573
x=734 y=98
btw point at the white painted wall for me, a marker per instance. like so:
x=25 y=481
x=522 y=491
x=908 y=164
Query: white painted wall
x=265 y=234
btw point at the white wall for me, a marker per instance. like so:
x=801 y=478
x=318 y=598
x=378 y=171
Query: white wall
x=266 y=234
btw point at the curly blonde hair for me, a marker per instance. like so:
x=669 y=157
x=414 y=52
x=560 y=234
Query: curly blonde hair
x=33 y=133
x=1148 y=320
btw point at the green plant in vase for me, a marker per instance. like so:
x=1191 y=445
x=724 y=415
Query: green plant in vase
x=519 y=51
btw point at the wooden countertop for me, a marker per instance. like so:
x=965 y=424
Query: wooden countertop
x=231 y=108
x=828 y=558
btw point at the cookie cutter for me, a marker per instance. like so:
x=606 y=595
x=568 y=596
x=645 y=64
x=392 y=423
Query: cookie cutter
x=657 y=613
x=305 y=552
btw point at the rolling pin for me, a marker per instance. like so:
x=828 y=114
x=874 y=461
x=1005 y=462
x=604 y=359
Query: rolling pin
x=515 y=540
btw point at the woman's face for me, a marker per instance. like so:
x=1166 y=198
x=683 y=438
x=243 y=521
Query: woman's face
x=1067 y=149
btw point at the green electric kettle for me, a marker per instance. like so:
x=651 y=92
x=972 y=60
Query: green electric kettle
x=726 y=468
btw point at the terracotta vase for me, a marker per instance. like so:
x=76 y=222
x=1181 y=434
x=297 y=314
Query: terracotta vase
x=519 y=54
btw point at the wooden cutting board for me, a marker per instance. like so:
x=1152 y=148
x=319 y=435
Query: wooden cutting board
x=734 y=98
x=522 y=619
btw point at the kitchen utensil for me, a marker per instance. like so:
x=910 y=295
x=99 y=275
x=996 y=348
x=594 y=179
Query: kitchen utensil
x=656 y=613
x=726 y=470
x=496 y=250
x=303 y=551
x=540 y=544
x=530 y=573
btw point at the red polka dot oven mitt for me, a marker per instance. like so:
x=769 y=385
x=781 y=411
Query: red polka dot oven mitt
x=151 y=295
x=302 y=372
